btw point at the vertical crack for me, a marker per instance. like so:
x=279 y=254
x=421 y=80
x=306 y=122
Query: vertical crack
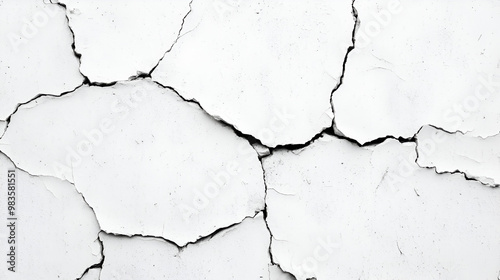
x=349 y=49
x=101 y=262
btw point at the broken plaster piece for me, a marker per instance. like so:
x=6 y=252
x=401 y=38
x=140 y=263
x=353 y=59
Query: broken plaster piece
x=54 y=226
x=148 y=162
x=268 y=68
x=36 y=55
x=476 y=157
x=275 y=273
x=337 y=211
x=261 y=150
x=240 y=252
x=406 y=72
x=118 y=40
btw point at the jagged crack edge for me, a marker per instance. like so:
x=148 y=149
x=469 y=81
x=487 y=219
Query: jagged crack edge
x=344 y=65
x=96 y=265
x=456 y=171
x=8 y=119
x=173 y=44
x=78 y=55
x=265 y=212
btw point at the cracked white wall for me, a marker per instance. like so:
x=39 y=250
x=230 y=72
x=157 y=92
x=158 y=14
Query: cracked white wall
x=231 y=139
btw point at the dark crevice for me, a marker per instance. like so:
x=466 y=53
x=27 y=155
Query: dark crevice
x=285 y=272
x=211 y=235
x=173 y=44
x=349 y=49
x=16 y=167
x=99 y=264
x=248 y=137
x=373 y=142
x=33 y=99
x=179 y=247
x=96 y=265
x=456 y=171
x=292 y=147
x=86 y=80
x=457 y=132
x=333 y=131
x=139 y=76
x=99 y=84
x=265 y=212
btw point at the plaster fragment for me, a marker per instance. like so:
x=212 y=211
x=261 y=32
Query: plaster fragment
x=36 y=55
x=268 y=68
x=148 y=162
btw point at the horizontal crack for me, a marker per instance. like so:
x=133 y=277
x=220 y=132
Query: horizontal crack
x=96 y=265
x=179 y=247
x=456 y=171
x=344 y=64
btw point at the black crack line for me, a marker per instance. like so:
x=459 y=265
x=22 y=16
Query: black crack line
x=96 y=265
x=271 y=237
x=17 y=167
x=344 y=65
x=173 y=44
x=73 y=46
x=456 y=171
x=78 y=55
x=34 y=99
x=179 y=247
x=248 y=137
